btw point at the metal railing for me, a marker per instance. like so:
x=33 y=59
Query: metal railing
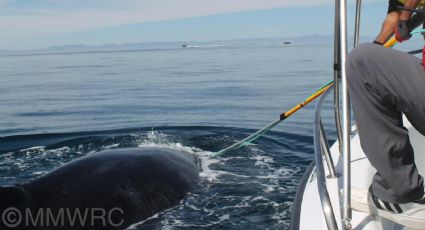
x=343 y=125
x=318 y=135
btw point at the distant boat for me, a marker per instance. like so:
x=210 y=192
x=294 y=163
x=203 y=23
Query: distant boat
x=201 y=46
x=287 y=42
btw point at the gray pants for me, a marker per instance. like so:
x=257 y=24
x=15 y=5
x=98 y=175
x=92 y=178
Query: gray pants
x=383 y=84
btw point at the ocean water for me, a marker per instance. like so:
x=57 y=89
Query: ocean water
x=56 y=107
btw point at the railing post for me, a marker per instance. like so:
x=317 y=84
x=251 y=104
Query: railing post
x=357 y=25
x=346 y=120
x=326 y=151
x=337 y=75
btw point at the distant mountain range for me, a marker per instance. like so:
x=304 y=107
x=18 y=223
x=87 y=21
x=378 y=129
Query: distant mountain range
x=303 y=40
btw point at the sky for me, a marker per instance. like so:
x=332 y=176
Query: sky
x=28 y=24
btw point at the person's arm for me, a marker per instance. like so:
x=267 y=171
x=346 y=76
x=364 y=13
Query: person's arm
x=390 y=22
x=402 y=31
x=387 y=29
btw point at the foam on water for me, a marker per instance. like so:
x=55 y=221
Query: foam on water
x=158 y=139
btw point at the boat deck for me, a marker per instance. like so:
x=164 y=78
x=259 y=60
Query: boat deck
x=312 y=217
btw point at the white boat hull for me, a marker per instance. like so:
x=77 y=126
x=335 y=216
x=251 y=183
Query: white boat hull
x=310 y=211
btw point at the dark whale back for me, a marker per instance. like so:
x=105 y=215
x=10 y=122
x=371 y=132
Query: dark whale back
x=13 y=196
x=138 y=181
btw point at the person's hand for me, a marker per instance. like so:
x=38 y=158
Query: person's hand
x=402 y=31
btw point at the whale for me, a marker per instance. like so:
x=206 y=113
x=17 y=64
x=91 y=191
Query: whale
x=105 y=190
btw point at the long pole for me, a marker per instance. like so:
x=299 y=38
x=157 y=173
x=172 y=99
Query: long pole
x=282 y=117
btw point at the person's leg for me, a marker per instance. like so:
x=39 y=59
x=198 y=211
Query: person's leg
x=383 y=83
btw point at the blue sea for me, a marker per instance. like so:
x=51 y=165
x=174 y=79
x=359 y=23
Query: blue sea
x=58 y=106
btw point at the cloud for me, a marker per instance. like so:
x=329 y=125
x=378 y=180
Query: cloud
x=21 y=20
x=47 y=17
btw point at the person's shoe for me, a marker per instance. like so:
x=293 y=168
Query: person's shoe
x=411 y=215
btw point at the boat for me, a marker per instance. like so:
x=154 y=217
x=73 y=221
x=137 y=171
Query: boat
x=287 y=42
x=323 y=199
